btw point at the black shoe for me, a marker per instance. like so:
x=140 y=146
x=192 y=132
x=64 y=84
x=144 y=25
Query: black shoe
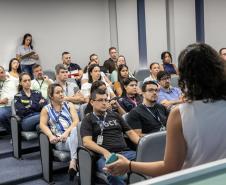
x=72 y=173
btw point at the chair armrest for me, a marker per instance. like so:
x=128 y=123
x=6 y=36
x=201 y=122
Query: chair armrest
x=87 y=160
x=18 y=119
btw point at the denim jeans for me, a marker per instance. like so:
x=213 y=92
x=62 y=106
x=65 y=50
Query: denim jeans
x=115 y=180
x=27 y=69
x=5 y=113
x=30 y=122
x=71 y=144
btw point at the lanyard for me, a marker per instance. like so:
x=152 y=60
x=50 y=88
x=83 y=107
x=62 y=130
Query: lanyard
x=57 y=119
x=66 y=89
x=40 y=85
x=157 y=118
x=134 y=101
x=1 y=86
x=101 y=122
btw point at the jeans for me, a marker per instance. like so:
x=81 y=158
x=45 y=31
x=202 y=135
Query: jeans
x=115 y=180
x=5 y=113
x=28 y=69
x=30 y=122
x=71 y=144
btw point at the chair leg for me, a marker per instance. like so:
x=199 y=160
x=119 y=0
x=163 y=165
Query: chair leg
x=16 y=138
x=46 y=158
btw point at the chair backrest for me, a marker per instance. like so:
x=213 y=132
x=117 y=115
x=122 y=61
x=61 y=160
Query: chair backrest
x=82 y=110
x=50 y=74
x=140 y=83
x=141 y=74
x=78 y=133
x=174 y=80
x=151 y=147
x=13 y=109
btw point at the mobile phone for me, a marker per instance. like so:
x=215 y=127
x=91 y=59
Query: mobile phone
x=113 y=157
x=114 y=98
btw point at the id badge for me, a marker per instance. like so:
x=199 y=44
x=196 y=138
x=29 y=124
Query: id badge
x=162 y=128
x=100 y=139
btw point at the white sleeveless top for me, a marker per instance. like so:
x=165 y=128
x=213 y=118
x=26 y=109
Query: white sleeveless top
x=204 y=130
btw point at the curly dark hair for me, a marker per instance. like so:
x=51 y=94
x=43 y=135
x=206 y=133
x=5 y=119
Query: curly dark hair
x=201 y=73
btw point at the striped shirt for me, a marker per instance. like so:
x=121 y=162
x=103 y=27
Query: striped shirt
x=59 y=121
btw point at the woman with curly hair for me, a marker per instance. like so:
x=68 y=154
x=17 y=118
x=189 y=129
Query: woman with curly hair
x=195 y=128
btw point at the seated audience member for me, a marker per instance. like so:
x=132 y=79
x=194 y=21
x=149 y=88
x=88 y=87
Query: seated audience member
x=41 y=81
x=26 y=47
x=113 y=103
x=154 y=69
x=130 y=97
x=14 y=72
x=123 y=73
x=114 y=75
x=6 y=96
x=110 y=64
x=168 y=96
x=74 y=70
x=222 y=53
x=102 y=132
x=58 y=121
x=71 y=90
x=94 y=75
x=195 y=129
x=167 y=64
x=94 y=60
x=28 y=103
x=149 y=116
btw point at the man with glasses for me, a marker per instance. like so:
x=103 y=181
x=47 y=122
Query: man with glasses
x=102 y=132
x=149 y=116
x=168 y=96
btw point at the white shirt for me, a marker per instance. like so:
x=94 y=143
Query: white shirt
x=7 y=90
x=204 y=126
x=41 y=86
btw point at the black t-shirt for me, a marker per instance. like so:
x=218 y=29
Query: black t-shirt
x=141 y=118
x=114 y=127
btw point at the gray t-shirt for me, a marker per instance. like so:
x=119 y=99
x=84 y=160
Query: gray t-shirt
x=21 y=50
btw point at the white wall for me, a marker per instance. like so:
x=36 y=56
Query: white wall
x=128 y=31
x=215 y=26
x=81 y=27
x=156 y=33
x=184 y=25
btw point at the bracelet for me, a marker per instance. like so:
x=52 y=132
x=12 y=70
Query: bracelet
x=130 y=170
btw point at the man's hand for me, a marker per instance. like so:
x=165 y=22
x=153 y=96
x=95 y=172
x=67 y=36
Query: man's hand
x=106 y=154
x=4 y=101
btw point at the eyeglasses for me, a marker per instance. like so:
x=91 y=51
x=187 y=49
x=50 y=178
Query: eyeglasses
x=102 y=100
x=165 y=78
x=152 y=90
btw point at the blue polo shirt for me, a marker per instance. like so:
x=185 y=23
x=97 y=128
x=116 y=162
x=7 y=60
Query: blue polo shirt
x=173 y=93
